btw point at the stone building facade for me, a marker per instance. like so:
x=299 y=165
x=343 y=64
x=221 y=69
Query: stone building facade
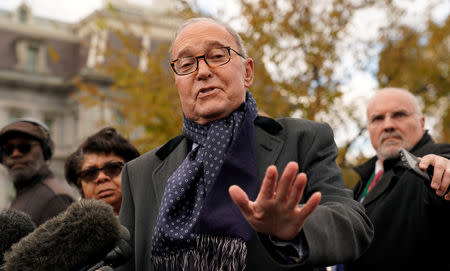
x=41 y=58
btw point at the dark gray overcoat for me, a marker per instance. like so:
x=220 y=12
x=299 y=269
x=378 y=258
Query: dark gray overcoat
x=338 y=230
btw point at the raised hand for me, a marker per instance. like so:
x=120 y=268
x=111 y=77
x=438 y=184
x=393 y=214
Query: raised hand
x=275 y=210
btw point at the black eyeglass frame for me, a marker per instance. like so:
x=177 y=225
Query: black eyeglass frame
x=97 y=171
x=229 y=49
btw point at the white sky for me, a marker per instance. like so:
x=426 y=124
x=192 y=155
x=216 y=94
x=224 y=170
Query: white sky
x=63 y=10
x=74 y=10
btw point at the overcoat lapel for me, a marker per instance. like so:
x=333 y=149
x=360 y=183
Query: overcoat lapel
x=383 y=184
x=168 y=166
x=268 y=148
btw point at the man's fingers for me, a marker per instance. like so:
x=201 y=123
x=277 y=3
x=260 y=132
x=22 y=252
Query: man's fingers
x=437 y=178
x=440 y=180
x=447 y=196
x=284 y=185
x=297 y=191
x=269 y=183
x=426 y=161
x=240 y=198
x=310 y=206
x=445 y=181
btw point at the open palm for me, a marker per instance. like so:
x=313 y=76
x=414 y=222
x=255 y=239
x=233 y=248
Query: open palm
x=276 y=210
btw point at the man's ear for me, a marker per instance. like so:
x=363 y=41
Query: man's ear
x=249 y=72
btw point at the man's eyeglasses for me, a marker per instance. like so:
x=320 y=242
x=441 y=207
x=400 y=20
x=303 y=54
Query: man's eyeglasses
x=111 y=169
x=23 y=148
x=213 y=58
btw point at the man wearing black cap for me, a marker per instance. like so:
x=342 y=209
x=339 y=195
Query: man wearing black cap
x=25 y=147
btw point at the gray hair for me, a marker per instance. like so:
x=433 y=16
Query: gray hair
x=230 y=30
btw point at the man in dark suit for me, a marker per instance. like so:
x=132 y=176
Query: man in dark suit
x=211 y=198
x=410 y=214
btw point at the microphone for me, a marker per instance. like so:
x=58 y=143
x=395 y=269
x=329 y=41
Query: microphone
x=119 y=255
x=76 y=238
x=14 y=225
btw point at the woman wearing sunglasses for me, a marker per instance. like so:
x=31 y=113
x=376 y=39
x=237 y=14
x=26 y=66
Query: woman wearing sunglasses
x=96 y=166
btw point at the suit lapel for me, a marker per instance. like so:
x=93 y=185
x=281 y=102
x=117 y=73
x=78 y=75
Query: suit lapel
x=268 y=148
x=162 y=173
x=380 y=187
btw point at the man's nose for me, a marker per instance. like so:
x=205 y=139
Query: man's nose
x=388 y=123
x=16 y=153
x=204 y=71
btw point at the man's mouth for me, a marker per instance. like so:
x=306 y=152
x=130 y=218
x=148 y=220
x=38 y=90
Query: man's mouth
x=391 y=136
x=206 y=90
x=391 y=140
x=17 y=166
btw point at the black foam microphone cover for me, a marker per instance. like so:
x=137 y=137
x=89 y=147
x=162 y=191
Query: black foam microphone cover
x=122 y=252
x=14 y=225
x=119 y=255
x=80 y=236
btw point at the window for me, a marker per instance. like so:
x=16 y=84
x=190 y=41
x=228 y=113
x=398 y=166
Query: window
x=120 y=118
x=15 y=114
x=50 y=119
x=31 y=55
x=32 y=58
x=23 y=15
x=50 y=122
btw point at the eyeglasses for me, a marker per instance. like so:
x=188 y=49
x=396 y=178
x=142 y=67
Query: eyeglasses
x=111 y=169
x=213 y=58
x=23 y=148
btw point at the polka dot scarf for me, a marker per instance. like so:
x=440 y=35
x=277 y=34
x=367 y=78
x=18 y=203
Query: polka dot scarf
x=198 y=224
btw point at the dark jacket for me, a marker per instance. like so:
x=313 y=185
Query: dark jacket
x=42 y=198
x=337 y=231
x=411 y=223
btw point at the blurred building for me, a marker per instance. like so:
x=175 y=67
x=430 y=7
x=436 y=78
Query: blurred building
x=41 y=58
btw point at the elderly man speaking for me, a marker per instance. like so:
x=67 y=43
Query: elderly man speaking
x=212 y=199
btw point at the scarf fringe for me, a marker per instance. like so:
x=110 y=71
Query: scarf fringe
x=210 y=253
